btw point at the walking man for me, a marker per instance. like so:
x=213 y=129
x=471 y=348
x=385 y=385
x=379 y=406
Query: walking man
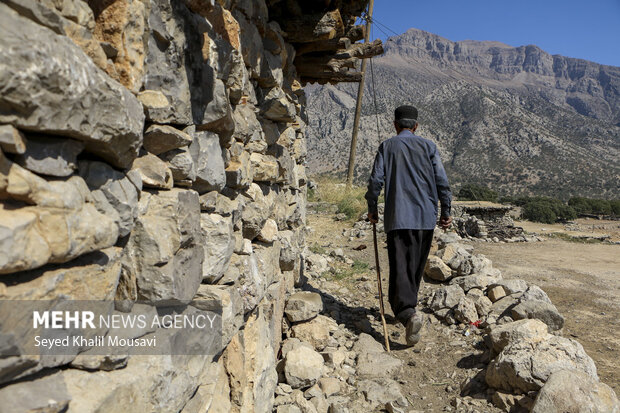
x=411 y=170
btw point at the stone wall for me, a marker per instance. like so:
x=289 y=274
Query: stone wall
x=150 y=150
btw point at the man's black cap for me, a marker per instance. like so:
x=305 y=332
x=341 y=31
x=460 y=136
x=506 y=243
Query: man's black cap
x=406 y=112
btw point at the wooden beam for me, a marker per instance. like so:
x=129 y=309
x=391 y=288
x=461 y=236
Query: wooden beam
x=313 y=27
x=323 y=63
x=332 y=77
x=361 y=50
x=323 y=46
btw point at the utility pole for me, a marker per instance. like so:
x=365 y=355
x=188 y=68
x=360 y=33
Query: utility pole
x=358 y=107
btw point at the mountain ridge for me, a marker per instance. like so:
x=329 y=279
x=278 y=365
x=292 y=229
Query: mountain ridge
x=515 y=118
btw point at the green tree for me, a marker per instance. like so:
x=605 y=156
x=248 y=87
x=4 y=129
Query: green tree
x=539 y=211
x=474 y=192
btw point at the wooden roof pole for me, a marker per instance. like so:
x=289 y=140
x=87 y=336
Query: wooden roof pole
x=358 y=107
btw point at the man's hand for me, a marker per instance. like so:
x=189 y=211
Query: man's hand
x=373 y=218
x=445 y=222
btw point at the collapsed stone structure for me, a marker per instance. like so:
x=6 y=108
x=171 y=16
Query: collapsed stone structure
x=489 y=222
x=154 y=150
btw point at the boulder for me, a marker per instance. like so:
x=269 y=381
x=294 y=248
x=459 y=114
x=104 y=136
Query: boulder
x=50 y=156
x=330 y=386
x=181 y=164
x=530 y=331
x=511 y=286
x=575 y=391
x=465 y=311
x=534 y=292
x=112 y=188
x=239 y=172
x=468 y=282
x=153 y=171
x=47 y=394
x=503 y=306
x=316 y=331
x=436 y=269
x=166 y=245
x=265 y=168
x=303 y=306
x=163 y=138
x=525 y=366
x=65 y=82
x=218 y=246
x=257 y=210
x=483 y=305
x=446 y=238
x=208 y=161
x=542 y=310
x=381 y=391
x=446 y=297
x=61 y=225
x=276 y=106
x=303 y=367
x=317 y=264
x=453 y=255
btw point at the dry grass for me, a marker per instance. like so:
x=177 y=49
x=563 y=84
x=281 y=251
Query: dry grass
x=349 y=201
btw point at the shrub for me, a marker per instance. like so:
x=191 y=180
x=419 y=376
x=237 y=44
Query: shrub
x=592 y=206
x=538 y=211
x=474 y=192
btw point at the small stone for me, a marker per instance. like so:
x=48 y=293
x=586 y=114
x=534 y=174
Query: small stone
x=163 y=138
x=495 y=293
x=330 y=386
x=12 y=140
x=269 y=232
x=303 y=367
x=303 y=306
x=436 y=269
x=153 y=171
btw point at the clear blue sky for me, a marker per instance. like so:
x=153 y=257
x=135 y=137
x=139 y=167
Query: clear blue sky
x=584 y=29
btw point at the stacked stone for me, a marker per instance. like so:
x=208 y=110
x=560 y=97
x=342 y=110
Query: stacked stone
x=528 y=357
x=150 y=150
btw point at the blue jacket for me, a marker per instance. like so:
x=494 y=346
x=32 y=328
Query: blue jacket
x=414 y=178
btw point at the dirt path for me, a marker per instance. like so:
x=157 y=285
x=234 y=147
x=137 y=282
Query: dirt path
x=445 y=358
x=436 y=368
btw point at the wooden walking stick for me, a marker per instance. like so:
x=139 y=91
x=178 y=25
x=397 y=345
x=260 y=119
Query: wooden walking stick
x=385 y=332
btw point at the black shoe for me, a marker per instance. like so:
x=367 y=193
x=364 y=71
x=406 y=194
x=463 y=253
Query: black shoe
x=412 y=329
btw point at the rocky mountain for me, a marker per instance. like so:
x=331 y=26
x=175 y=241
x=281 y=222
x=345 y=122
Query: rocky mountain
x=516 y=119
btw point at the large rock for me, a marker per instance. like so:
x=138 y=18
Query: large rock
x=542 y=310
x=570 y=391
x=468 y=282
x=265 y=167
x=276 y=106
x=178 y=64
x=74 y=98
x=377 y=365
x=208 y=161
x=436 y=269
x=219 y=244
x=257 y=210
x=226 y=298
x=114 y=190
x=139 y=384
x=316 y=331
x=382 y=391
x=530 y=331
x=511 y=286
x=62 y=225
x=166 y=245
x=534 y=292
x=525 y=366
x=47 y=394
x=123 y=27
x=303 y=367
x=454 y=255
x=50 y=156
x=91 y=277
x=447 y=297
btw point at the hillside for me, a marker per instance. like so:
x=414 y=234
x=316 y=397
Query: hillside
x=517 y=119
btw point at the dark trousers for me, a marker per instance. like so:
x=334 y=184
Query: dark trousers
x=407 y=251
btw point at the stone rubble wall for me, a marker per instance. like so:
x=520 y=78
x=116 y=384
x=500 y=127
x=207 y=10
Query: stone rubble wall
x=150 y=150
